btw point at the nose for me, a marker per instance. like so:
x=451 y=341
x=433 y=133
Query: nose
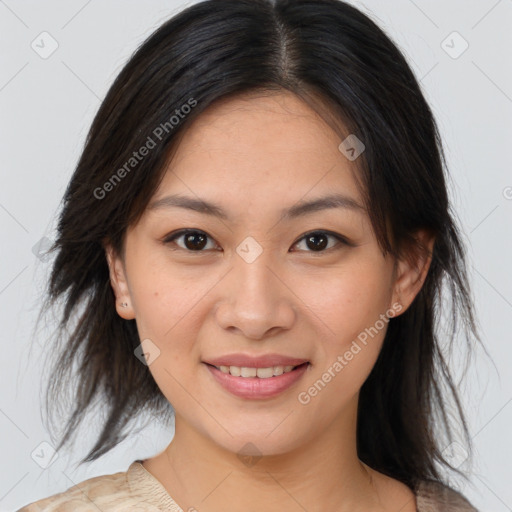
x=256 y=300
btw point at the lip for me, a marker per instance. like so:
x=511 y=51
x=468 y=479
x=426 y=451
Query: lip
x=263 y=361
x=255 y=388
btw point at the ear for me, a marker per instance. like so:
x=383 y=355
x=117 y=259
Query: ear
x=124 y=305
x=412 y=268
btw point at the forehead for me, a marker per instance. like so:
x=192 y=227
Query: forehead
x=259 y=150
x=272 y=123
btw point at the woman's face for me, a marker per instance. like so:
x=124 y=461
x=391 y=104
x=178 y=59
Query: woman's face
x=252 y=282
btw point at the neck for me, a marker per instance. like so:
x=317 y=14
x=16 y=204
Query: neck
x=323 y=474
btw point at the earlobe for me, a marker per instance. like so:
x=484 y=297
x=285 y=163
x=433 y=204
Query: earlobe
x=123 y=303
x=412 y=269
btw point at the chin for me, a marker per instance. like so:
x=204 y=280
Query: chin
x=250 y=447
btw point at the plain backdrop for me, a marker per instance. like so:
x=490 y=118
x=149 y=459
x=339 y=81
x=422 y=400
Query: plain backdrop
x=460 y=50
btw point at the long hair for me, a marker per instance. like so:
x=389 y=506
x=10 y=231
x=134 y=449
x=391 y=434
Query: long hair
x=338 y=60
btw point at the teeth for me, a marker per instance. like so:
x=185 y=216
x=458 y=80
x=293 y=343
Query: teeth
x=262 y=373
x=265 y=373
x=248 y=372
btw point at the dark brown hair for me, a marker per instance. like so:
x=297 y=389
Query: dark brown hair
x=336 y=58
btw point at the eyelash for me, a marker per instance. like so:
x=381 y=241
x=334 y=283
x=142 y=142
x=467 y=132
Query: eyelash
x=341 y=239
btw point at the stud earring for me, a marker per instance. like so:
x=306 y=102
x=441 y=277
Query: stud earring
x=124 y=304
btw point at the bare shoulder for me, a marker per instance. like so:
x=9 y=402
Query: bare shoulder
x=394 y=496
x=429 y=496
x=398 y=496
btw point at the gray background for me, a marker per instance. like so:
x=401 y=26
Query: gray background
x=46 y=107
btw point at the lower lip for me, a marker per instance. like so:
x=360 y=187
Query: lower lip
x=254 y=387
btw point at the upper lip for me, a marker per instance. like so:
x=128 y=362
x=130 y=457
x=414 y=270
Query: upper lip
x=263 y=361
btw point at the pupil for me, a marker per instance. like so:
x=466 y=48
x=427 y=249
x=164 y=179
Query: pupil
x=189 y=241
x=320 y=245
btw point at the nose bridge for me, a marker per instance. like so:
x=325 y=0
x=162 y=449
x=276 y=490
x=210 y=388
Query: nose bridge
x=254 y=276
x=258 y=301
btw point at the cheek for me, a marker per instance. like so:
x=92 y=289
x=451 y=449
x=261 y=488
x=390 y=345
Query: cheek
x=165 y=297
x=350 y=299
x=349 y=308
x=168 y=308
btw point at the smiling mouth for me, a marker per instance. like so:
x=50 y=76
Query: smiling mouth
x=261 y=373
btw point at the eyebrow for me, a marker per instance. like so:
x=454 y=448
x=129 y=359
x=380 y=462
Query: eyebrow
x=298 y=210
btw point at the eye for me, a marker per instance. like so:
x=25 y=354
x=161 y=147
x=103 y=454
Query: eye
x=317 y=241
x=197 y=241
x=193 y=240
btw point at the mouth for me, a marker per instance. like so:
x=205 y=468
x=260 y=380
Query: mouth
x=257 y=383
x=260 y=373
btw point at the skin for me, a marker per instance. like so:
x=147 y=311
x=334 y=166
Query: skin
x=254 y=156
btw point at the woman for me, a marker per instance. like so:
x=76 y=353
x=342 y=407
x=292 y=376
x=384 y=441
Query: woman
x=258 y=234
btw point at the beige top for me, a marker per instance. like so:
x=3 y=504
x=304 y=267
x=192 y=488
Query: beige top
x=137 y=490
